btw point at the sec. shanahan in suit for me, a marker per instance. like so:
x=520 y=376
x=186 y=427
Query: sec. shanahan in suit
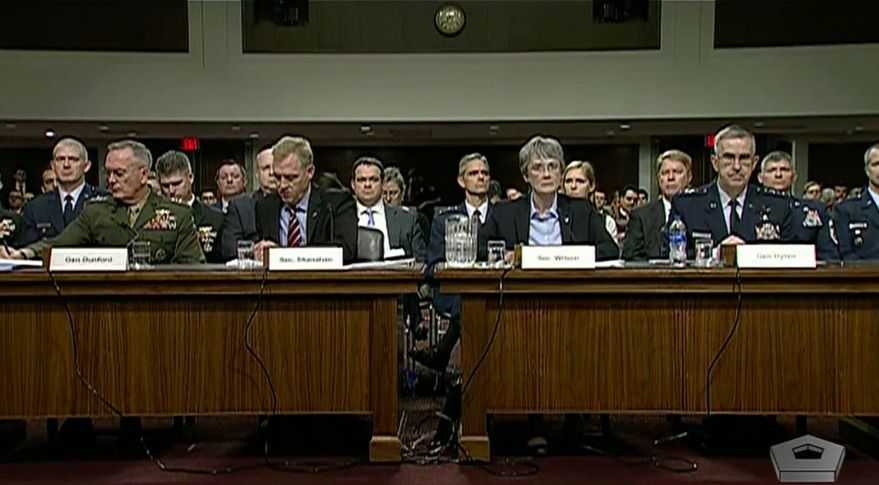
x=331 y=220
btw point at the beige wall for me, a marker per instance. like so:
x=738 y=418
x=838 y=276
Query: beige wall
x=686 y=78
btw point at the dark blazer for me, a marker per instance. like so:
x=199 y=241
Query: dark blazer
x=239 y=222
x=857 y=226
x=580 y=224
x=813 y=225
x=332 y=220
x=43 y=217
x=209 y=230
x=644 y=232
x=404 y=231
x=701 y=212
x=10 y=226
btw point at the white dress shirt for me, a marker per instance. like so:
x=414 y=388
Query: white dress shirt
x=75 y=193
x=483 y=210
x=379 y=219
x=724 y=204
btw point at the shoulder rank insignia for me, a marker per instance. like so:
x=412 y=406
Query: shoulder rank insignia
x=163 y=220
x=206 y=236
x=7 y=227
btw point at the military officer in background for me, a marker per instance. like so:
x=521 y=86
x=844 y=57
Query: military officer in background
x=132 y=213
x=811 y=223
x=857 y=220
x=730 y=211
x=10 y=224
x=175 y=179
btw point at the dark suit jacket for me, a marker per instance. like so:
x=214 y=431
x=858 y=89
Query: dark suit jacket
x=332 y=220
x=701 y=212
x=209 y=230
x=857 y=226
x=43 y=217
x=10 y=226
x=239 y=222
x=404 y=231
x=580 y=224
x=644 y=233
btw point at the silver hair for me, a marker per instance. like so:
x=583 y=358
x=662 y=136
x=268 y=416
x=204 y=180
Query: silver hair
x=393 y=174
x=827 y=195
x=172 y=162
x=72 y=142
x=540 y=147
x=777 y=156
x=874 y=146
x=469 y=158
x=138 y=150
x=734 y=131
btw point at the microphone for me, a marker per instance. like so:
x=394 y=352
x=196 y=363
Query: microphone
x=332 y=223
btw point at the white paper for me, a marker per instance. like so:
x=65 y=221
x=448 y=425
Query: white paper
x=305 y=259
x=397 y=263
x=776 y=256
x=89 y=259
x=15 y=263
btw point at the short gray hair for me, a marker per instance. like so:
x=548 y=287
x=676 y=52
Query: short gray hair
x=733 y=132
x=469 y=158
x=69 y=141
x=138 y=150
x=172 y=162
x=827 y=195
x=777 y=156
x=540 y=147
x=393 y=174
x=874 y=146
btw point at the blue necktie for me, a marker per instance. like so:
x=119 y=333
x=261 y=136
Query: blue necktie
x=371 y=222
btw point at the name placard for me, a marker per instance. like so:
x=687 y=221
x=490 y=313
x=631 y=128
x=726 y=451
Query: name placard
x=558 y=257
x=88 y=259
x=776 y=256
x=305 y=259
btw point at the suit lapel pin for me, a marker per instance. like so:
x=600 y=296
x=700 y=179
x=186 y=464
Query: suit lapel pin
x=712 y=205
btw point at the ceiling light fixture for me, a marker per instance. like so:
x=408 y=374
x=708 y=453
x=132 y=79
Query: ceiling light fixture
x=50 y=133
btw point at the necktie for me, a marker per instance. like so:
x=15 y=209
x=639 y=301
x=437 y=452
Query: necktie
x=734 y=220
x=133 y=213
x=371 y=215
x=68 y=209
x=294 y=234
x=477 y=216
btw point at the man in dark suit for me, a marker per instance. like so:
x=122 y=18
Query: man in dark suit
x=811 y=222
x=545 y=217
x=175 y=180
x=730 y=211
x=398 y=225
x=857 y=220
x=239 y=223
x=47 y=215
x=645 y=232
x=231 y=180
x=299 y=214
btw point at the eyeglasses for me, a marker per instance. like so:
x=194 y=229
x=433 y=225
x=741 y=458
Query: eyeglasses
x=539 y=167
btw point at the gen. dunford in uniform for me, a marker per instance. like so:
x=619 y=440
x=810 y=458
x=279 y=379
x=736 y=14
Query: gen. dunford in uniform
x=133 y=213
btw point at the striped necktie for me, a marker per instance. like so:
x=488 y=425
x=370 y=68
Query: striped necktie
x=294 y=233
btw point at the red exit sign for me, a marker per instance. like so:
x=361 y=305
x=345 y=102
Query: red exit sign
x=189 y=144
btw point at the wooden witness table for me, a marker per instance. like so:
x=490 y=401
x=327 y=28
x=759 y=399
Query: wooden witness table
x=171 y=343
x=642 y=340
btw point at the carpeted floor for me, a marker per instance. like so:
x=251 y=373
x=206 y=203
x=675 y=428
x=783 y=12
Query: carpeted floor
x=306 y=444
